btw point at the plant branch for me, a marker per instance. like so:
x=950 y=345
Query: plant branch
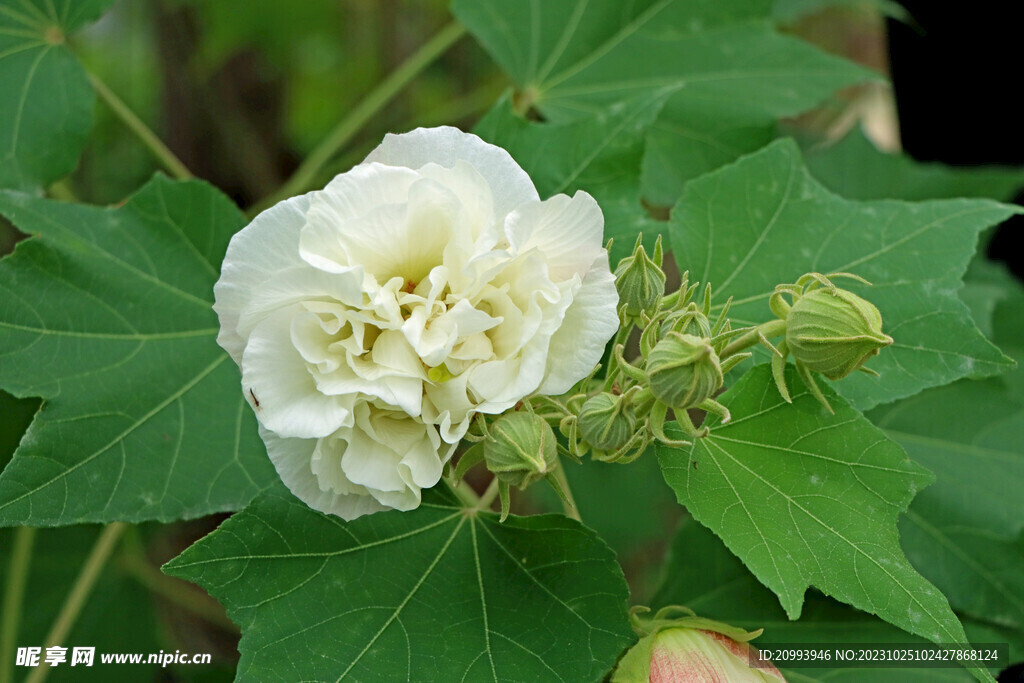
x=135 y=565
x=772 y=328
x=14 y=594
x=488 y=496
x=79 y=593
x=154 y=144
x=463 y=492
x=307 y=171
x=569 y=504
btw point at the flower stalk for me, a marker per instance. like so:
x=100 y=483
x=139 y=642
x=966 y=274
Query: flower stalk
x=14 y=595
x=305 y=175
x=161 y=152
x=79 y=594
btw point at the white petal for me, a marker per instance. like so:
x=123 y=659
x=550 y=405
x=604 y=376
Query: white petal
x=589 y=323
x=567 y=230
x=447 y=405
x=393 y=455
x=404 y=240
x=338 y=215
x=292 y=459
x=357 y=192
x=277 y=376
x=445 y=146
x=256 y=254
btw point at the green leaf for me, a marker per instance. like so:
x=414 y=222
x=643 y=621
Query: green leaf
x=441 y=593
x=46 y=101
x=732 y=73
x=599 y=154
x=702 y=574
x=965 y=532
x=856 y=169
x=692 y=142
x=764 y=221
x=106 y=314
x=807 y=498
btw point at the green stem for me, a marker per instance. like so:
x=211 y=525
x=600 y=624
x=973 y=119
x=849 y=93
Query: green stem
x=148 y=138
x=772 y=328
x=569 y=504
x=307 y=171
x=14 y=592
x=174 y=590
x=613 y=364
x=488 y=496
x=463 y=492
x=79 y=593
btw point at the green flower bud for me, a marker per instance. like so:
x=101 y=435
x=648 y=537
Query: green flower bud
x=834 y=333
x=520 y=449
x=683 y=370
x=689 y=321
x=607 y=422
x=640 y=281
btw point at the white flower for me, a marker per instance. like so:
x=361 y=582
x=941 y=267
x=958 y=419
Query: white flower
x=373 y=318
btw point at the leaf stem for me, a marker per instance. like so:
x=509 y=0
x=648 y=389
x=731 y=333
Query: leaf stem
x=79 y=593
x=14 y=592
x=621 y=336
x=772 y=328
x=134 y=563
x=307 y=171
x=488 y=496
x=154 y=144
x=569 y=504
x=463 y=492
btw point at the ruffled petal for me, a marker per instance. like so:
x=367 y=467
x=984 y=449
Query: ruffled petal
x=256 y=254
x=567 y=230
x=589 y=323
x=445 y=146
x=293 y=460
x=276 y=375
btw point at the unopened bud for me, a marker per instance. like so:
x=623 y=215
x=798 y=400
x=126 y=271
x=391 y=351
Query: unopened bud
x=607 y=422
x=683 y=370
x=834 y=332
x=520 y=449
x=688 y=321
x=695 y=650
x=640 y=281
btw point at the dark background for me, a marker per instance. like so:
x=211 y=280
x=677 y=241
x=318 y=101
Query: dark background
x=956 y=71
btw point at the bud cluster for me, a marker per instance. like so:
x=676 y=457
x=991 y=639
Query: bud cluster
x=681 y=367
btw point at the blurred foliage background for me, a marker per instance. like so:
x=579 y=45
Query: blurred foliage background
x=242 y=91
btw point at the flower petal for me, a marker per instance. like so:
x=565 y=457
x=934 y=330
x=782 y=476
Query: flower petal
x=256 y=254
x=445 y=146
x=262 y=272
x=293 y=459
x=577 y=346
x=568 y=230
x=276 y=375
